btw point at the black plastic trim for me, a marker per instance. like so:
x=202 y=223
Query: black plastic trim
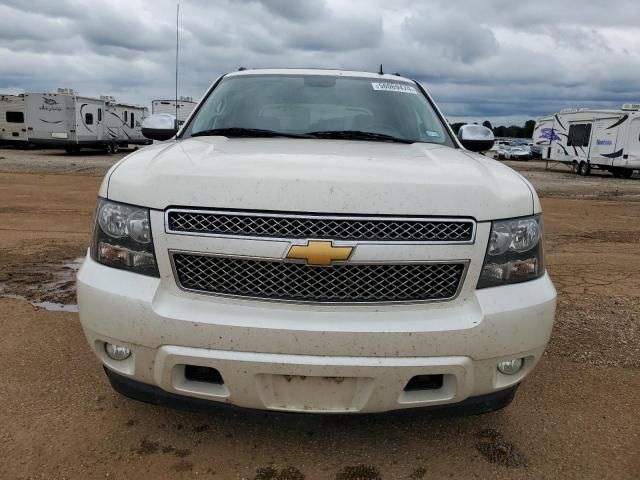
x=154 y=395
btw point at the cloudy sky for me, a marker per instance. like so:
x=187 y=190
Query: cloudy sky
x=500 y=60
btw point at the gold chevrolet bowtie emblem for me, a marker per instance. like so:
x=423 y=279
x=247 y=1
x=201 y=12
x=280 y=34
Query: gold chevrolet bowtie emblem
x=318 y=253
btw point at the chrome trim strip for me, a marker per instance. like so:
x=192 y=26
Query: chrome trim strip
x=463 y=276
x=322 y=217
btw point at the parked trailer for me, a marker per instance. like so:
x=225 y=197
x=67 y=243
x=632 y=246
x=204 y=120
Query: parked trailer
x=185 y=107
x=13 y=127
x=70 y=121
x=123 y=124
x=585 y=138
x=63 y=120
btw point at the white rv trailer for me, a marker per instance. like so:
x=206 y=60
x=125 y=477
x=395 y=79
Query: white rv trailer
x=184 y=109
x=70 y=121
x=13 y=127
x=585 y=138
x=123 y=124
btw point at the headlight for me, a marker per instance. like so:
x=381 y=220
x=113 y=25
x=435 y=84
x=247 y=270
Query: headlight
x=514 y=253
x=122 y=238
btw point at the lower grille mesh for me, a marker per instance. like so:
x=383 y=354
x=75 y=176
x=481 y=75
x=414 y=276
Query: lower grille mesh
x=298 y=282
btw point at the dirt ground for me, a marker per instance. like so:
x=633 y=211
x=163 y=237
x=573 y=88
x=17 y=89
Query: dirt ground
x=577 y=416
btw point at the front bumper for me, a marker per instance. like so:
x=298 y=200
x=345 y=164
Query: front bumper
x=156 y=396
x=306 y=358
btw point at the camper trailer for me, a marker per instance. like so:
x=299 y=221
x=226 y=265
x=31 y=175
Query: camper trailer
x=184 y=108
x=123 y=124
x=70 y=121
x=63 y=120
x=587 y=139
x=13 y=127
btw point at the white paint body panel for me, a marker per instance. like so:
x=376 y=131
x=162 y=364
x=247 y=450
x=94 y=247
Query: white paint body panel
x=323 y=176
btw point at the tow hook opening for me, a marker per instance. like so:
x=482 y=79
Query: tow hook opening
x=203 y=374
x=424 y=382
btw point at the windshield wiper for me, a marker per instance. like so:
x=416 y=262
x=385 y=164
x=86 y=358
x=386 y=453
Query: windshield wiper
x=246 y=132
x=358 y=135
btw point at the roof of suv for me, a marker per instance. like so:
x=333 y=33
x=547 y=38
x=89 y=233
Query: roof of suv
x=318 y=71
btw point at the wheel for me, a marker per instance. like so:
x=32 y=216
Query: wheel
x=112 y=148
x=626 y=173
x=575 y=167
x=72 y=149
x=584 y=169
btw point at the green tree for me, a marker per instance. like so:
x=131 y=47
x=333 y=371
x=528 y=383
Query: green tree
x=500 y=131
x=487 y=124
x=456 y=126
x=529 y=125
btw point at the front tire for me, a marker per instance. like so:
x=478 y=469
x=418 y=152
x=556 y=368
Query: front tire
x=626 y=173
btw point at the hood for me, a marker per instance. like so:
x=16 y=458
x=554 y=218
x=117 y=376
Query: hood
x=319 y=176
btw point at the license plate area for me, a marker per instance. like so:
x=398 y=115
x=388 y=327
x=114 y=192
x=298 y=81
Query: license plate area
x=303 y=393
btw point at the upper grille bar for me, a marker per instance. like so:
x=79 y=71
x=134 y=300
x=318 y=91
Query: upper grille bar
x=292 y=226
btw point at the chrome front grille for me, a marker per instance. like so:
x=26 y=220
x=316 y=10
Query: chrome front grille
x=254 y=224
x=342 y=283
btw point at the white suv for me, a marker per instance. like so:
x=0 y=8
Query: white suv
x=317 y=241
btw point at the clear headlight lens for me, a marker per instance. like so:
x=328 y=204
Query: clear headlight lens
x=514 y=253
x=122 y=238
x=112 y=218
x=138 y=226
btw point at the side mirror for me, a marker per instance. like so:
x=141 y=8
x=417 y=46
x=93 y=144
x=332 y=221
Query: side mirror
x=161 y=126
x=476 y=138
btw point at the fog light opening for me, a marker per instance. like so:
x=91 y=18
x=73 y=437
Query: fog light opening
x=117 y=352
x=511 y=367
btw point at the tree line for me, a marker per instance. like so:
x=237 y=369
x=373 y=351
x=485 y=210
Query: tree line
x=513 y=131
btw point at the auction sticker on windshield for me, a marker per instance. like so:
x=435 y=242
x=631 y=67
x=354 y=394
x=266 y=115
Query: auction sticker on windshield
x=393 y=87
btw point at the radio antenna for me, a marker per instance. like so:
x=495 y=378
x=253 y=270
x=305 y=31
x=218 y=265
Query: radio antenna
x=177 y=38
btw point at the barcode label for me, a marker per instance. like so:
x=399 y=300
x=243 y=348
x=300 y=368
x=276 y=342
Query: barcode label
x=393 y=87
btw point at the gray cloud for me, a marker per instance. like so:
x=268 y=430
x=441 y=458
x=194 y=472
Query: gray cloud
x=450 y=35
x=297 y=11
x=336 y=34
x=480 y=60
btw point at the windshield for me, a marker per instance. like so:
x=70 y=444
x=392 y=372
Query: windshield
x=318 y=106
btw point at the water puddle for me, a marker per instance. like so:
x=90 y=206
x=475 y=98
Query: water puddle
x=51 y=306
x=51 y=286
